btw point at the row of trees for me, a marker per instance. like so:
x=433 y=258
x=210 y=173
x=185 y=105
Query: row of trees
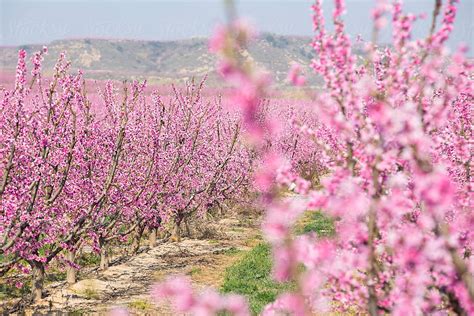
x=89 y=169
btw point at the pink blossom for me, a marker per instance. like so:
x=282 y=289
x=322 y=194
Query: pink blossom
x=294 y=75
x=119 y=311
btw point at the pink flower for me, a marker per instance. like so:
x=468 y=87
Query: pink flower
x=119 y=311
x=20 y=79
x=286 y=303
x=294 y=75
x=218 y=39
x=178 y=290
x=237 y=305
x=436 y=190
x=282 y=263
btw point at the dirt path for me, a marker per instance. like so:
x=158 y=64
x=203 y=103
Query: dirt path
x=127 y=284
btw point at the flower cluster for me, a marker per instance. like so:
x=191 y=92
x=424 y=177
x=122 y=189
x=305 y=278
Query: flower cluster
x=179 y=291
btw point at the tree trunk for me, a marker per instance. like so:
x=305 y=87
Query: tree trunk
x=38 y=281
x=186 y=226
x=176 y=233
x=152 y=237
x=137 y=236
x=71 y=273
x=104 y=254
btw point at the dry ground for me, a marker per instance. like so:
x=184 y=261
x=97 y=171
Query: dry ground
x=127 y=282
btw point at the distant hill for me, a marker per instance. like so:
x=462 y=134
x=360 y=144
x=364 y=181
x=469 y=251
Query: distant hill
x=162 y=62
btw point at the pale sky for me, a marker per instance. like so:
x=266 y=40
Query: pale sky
x=41 y=21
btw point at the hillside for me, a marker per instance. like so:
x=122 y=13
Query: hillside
x=162 y=62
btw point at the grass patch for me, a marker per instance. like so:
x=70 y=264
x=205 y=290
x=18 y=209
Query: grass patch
x=232 y=251
x=251 y=276
x=316 y=222
x=141 y=305
x=253 y=241
x=194 y=271
x=91 y=294
x=245 y=222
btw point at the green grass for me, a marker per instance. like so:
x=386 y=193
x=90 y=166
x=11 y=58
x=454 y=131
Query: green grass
x=251 y=276
x=141 y=305
x=194 y=270
x=232 y=251
x=316 y=222
x=91 y=294
x=238 y=229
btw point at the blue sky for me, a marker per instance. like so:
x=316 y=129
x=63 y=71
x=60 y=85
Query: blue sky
x=41 y=21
